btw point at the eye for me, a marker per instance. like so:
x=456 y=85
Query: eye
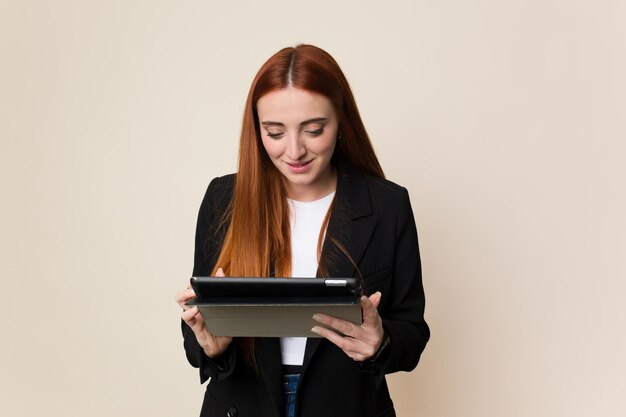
x=275 y=135
x=315 y=132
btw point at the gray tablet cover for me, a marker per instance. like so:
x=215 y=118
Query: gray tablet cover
x=273 y=307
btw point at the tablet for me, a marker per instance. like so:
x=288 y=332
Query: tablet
x=273 y=307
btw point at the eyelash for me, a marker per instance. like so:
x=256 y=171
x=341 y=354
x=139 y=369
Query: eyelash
x=310 y=132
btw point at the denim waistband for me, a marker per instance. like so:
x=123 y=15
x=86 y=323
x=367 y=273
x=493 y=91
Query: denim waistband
x=290 y=383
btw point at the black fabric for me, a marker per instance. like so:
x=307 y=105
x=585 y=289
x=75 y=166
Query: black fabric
x=373 y=220
x=291 y=369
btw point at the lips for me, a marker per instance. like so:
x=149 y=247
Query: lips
x=299 y=167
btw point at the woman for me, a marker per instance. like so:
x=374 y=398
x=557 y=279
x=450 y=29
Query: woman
x=309 y=199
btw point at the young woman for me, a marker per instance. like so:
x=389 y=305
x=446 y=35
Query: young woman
x=309 y=199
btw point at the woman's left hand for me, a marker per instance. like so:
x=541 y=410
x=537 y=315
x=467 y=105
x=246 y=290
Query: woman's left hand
x=358 y=342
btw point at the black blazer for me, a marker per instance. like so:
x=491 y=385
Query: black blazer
x=373 y=220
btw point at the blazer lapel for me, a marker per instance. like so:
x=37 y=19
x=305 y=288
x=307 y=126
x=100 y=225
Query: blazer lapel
x=350 y=228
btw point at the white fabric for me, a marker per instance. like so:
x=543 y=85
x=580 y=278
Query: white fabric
x=306 y=221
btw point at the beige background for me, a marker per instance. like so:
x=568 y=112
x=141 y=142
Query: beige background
x=504 y=119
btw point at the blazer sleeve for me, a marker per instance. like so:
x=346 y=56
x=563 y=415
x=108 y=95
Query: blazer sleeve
x=207 y=246
x=403 y=315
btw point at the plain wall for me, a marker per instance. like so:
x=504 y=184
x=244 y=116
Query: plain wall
x=504 y=119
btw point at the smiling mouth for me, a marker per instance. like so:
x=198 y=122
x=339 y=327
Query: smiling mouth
x=299 y=164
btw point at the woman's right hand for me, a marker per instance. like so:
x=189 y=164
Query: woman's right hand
x=213 y=345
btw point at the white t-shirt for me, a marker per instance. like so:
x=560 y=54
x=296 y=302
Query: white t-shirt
x=306 y=221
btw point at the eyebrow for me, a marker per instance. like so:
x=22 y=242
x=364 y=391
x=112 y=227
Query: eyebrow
x=306 y=122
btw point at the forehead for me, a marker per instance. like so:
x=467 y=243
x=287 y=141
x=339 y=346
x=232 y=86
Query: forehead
x=293 y=105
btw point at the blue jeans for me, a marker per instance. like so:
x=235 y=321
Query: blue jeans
x=290 y=384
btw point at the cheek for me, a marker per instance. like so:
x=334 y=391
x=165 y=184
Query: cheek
x=325 y=146
x=271 y=147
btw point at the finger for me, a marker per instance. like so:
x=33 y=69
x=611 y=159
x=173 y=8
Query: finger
x=196 y=322
x=355 y=349
x=370 y=313
x=219 y=272
x=341 y=326
x=346 y=344
x=184 y=296
x=375 y=298
x=189 y=314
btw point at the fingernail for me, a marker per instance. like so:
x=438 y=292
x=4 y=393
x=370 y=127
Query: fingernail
x=315 y=330
x=316 y=317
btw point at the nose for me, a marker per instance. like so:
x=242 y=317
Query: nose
x=295 y=147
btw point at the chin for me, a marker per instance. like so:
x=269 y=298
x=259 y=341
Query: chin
x=299 y=180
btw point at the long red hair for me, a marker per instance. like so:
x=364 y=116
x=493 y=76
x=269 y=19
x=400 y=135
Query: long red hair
x=257 y=243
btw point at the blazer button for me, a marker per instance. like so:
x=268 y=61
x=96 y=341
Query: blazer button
x=231 y=412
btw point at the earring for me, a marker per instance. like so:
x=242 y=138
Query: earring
x=340 y=136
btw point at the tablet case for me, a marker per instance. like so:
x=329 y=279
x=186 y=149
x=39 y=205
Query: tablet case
x=273 y=307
